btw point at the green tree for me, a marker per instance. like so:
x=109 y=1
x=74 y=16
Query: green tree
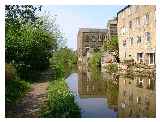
x=95 y=60
x=63 y=60
x=112 y=46
x=22 y=13
x=29 y=41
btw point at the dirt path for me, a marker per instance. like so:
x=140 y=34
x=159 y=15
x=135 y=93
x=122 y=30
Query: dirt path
x=30 y=105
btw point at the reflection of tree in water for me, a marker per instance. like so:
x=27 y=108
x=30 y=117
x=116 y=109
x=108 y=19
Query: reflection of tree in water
x=93 y=83
x=112 y=94
x=90 y=83
x=130 y=97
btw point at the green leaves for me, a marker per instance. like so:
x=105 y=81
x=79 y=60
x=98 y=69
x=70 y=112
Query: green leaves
x=62 y=59
x=30 y=42
x=24 y=13
x=111 y=45
x=61 y=101
x=95 y=60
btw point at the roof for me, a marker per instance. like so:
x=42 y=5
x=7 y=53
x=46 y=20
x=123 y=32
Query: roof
x=92 y=30
x=123 y=9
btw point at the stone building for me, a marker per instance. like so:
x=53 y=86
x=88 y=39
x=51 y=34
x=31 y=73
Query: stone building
x=89 y=40
x=112 y=28
x=137 y=33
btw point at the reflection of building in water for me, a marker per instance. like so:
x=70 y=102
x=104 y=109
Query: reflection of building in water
x=95 y=85
x=90 y=85
x=136 y=97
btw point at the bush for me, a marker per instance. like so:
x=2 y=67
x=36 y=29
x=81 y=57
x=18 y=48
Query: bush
x=60 y=101
x=112 y=68
x=62 y=60
x=15 y=90
x=95 y=60
x=10 y=72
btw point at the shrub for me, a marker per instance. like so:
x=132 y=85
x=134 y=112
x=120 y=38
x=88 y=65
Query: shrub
x=113 y=68
x=95 y=60
x=62 y=60
x=15 y=90
x=60 y=101
x=10 y=72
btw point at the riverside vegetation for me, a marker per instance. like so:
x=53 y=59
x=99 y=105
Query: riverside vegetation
x=34 y=44
x=60 y=101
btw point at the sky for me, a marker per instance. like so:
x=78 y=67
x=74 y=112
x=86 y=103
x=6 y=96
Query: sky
x=71 y=18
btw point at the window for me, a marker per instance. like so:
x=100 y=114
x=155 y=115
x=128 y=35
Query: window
x=137 y=7
x=124 y=43
x=139 y=100
x=139 y=57
x=130 y=24
x=129 y=11
x=125 y=54
x=138 y=39
x=123 y=30
x=146 y=19
x=131 y=40
x=148 y=36
x=152 y=58
x=137 y=20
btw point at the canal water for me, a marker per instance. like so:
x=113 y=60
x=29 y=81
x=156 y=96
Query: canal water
x=103 y=95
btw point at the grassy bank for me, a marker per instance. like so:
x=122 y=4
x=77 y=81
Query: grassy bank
x=60 y=101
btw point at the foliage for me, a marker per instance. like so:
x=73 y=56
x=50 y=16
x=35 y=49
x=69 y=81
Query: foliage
x=112 y=93
x=61 y=60
x=60 y=101
x=95 y=60
x=29 y=40
x=14 y=88
x=10 y=72
x=22 y=13
x=112 y=68
x=112 y=46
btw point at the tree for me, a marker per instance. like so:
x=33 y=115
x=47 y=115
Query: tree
x=62 y=61
x=22 y=13
x=29 y=42
x=112 y=46
x=95 y=60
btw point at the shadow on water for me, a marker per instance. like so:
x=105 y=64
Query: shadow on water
x=100 y=94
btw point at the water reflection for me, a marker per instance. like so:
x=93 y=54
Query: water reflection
x=136 y=97
x=109 y=95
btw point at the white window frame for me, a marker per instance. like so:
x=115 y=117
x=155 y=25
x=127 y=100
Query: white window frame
x=139 y=59
x=149 y=60
x=146 y=19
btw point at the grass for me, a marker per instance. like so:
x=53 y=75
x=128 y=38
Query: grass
x=60 y=101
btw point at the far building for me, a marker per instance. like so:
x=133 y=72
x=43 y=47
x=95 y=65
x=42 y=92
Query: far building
x=137 y=33
x=112 y=27
x=88 y=41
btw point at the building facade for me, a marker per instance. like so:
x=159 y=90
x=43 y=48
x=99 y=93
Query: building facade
x=112 y=28
x=89 y=40
x=137 y=33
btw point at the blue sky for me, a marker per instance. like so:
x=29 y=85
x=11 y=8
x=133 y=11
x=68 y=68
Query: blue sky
x=71 y=18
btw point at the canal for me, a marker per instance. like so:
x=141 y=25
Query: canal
x=100 y=94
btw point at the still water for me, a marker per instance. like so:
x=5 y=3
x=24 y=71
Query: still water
x=105 y=95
